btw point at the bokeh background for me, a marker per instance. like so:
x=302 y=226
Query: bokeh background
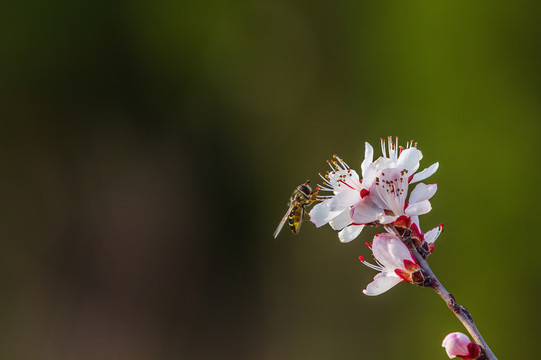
x=148 y=150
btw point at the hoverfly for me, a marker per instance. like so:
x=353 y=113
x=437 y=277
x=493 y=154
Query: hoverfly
x=302 y=196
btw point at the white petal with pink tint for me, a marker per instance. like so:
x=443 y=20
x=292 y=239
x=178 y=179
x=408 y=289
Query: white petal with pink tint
x=422 y=192
x=350 y=232
x=386 y=219
x=420 y=208
x=365 y=211
x=341 y=221
x=368 y=158
x=429 y=171
x=382 y=282
x=432 y=235
x=321 y=215
x=343 y=200
x=409 y=160
x=390 y=251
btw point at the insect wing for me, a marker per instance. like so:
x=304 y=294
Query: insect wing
x=283 y=221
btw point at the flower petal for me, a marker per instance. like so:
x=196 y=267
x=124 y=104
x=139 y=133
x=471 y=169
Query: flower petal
x=342 y=220
x=422 y=192
x=429 y=171
x=419 y=208
x=368 y=158
x=390 y=251
x=321 y=215
x=350 y=232
x=343 y=199
x=369 y=175
x=382 y=282
x=432 y=235
x=365 y=211
x=386 y=219
x=415 y=220
x=409 y=160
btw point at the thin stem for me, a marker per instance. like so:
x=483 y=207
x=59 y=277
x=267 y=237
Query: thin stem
x=461 y=313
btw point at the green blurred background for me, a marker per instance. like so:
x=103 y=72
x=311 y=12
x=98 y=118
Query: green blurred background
x=148 y=150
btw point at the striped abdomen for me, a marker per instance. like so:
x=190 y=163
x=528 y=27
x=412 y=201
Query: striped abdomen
x=295 y=218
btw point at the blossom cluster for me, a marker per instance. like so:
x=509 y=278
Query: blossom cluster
x=379 y=197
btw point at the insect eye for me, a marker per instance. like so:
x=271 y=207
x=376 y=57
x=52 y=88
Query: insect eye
x=305 y=189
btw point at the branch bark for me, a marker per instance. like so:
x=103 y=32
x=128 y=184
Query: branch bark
x=461 y=313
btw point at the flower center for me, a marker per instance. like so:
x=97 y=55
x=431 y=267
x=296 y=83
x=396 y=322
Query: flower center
x=391 y=190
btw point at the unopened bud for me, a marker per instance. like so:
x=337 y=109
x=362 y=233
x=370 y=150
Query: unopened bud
x=458 y=344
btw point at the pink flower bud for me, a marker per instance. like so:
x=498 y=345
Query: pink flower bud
x=458 y=344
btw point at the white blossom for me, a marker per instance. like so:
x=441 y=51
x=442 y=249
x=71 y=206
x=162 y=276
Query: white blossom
x=379 y=197
x=394 y=262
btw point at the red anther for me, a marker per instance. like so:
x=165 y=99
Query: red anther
x=377 y=234
x=318 y=188
x=367 y=244
x=410 y=178
x=364 y=193
x=361 y=258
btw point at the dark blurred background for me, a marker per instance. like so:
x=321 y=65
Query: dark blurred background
x=148 y=150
